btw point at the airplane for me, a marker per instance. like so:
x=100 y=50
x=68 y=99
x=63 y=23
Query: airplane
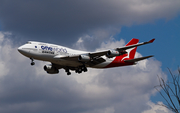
x=78 y=61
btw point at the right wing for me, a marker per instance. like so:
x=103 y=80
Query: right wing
x=96 y=56
x=121 y=49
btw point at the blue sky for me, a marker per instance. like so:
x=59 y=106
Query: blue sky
x=165 y=47
x=167 y=35
x=87 y=25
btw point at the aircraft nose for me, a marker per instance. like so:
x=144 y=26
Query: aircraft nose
x=20 y=49
x=24 y=50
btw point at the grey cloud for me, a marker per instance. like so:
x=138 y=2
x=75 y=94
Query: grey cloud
x=64 y=21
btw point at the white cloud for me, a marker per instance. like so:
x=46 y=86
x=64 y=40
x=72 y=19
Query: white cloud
x=121 y=89
x=155 y=108
x=5 y=51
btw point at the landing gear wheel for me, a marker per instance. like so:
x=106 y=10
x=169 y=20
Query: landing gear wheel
x=79 y=70
x=67 y=70
x=32 y=63
x=84 y=69
x=68 y=73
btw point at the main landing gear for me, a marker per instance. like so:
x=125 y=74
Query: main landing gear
x=79 y=69
x=32 y=62
x=68 y=72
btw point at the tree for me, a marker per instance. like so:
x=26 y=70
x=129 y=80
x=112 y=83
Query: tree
x=170 y=91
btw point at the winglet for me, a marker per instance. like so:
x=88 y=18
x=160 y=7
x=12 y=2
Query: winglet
x=151 y=41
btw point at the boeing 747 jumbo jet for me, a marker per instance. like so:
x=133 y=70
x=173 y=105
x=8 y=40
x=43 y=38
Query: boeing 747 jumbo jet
x=70 y=59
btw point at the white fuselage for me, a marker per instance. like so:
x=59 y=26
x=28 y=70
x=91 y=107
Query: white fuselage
x=49 y=52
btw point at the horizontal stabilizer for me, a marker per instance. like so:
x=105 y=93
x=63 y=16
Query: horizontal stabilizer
x=138 y=59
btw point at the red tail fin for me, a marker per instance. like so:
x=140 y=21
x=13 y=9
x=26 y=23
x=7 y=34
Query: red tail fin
x=119 y=60
x=131 y=52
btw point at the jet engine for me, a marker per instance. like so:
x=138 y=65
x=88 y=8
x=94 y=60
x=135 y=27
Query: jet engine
x=50 y=69
x=112 y=53
x=84 y=58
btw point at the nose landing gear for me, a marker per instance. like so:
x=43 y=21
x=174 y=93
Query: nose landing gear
x=32 y=62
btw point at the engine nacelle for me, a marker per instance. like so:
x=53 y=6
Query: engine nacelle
x=112 y=53
x=50 y=69
x=84 y=58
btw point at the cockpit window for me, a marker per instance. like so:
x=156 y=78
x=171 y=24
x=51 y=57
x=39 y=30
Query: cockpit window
x=28 y=43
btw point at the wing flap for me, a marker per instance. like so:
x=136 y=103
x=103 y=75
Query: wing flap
x=138 y=59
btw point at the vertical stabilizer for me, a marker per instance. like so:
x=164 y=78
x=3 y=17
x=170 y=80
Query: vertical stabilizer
x=131 y=52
